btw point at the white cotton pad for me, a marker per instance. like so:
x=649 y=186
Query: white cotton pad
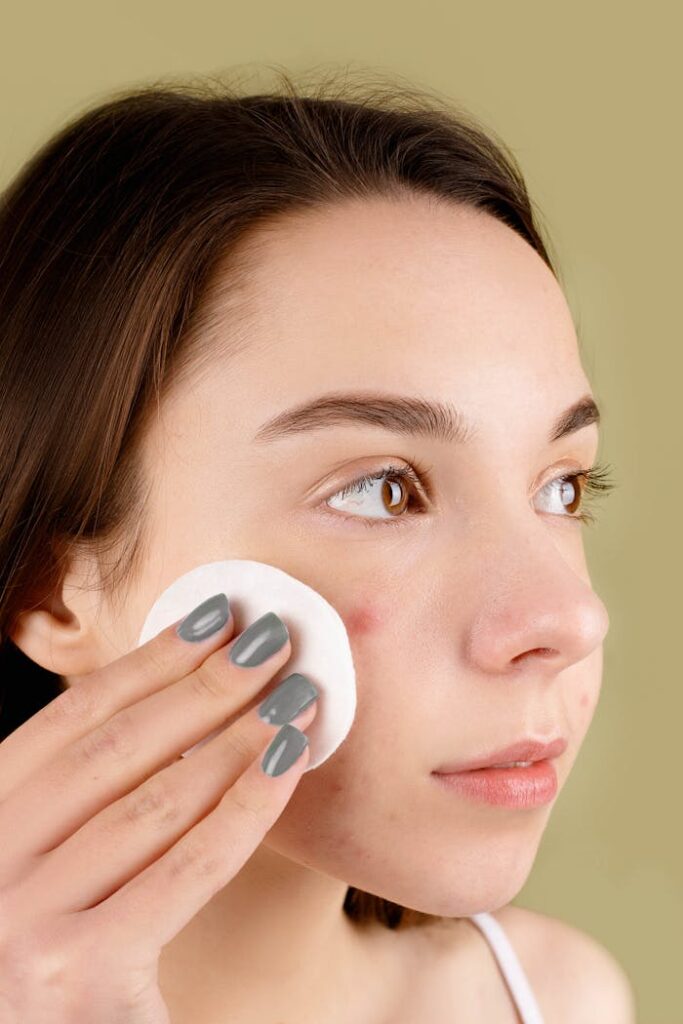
x=320 y=644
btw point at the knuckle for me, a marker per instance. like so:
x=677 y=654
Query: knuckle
x=25 y=954
x=248 y=807
x=65 y=966
x=112 y=739
x=239 y=744
x=207 y=684
x=153 y=800
x=157 y=659
x=192 y=857
x=53 y=960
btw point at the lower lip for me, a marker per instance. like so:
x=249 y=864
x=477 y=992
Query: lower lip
x=506 y=787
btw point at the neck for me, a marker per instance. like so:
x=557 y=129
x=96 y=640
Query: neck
x=276 y=942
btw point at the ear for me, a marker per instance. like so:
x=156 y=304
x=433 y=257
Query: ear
x=58 y=631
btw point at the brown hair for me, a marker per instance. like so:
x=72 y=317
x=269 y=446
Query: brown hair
x=117 y=238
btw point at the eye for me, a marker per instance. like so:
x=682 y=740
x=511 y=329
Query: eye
x=566 y=493
x=571 y=489
x=389 y=491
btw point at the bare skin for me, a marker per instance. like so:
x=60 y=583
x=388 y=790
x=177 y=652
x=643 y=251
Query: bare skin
x=472 y=624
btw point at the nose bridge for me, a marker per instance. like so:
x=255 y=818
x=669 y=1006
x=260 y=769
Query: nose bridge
x=531 y=606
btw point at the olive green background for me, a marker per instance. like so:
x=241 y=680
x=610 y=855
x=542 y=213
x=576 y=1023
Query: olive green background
x=588 y=98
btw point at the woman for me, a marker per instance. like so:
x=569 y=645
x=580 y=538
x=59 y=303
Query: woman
x=321 y=332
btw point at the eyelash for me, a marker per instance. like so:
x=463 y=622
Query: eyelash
x=597 y=480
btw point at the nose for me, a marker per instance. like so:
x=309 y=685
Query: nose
x=533 y=609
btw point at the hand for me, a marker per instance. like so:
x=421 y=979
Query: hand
x=111 y=842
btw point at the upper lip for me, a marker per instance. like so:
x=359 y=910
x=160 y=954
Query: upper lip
x=525 y=750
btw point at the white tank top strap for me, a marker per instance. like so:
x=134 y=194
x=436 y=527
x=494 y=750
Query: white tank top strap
x=510 y=967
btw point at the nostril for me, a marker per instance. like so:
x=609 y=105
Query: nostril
x=535 y=650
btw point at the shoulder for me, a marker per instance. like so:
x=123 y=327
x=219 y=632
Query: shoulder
x=572 y=974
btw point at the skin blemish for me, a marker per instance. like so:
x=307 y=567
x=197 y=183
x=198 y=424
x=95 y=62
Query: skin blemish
x=584 y=699
x=361 y=620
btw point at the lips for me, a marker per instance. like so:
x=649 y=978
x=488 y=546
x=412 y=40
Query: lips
x=528 y=749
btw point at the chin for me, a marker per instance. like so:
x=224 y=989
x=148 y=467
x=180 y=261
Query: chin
x=464 y=904
x=464 y=888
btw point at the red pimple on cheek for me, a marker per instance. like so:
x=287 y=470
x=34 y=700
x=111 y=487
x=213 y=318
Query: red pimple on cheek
x=361 y=619
x=584 y=699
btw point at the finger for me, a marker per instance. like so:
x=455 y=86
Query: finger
x=136 y=742
x=94 y=698
x=121 y=841
x=154 y=906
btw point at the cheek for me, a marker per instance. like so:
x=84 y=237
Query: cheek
x=588 y=699
x=366 y=623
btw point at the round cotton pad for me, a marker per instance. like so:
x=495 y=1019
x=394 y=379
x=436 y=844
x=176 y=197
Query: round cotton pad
x=320 y=644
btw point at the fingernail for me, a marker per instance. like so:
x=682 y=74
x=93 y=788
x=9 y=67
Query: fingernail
x=207 y=618
x=285 y=749
x=287 y=700
x=263 y=638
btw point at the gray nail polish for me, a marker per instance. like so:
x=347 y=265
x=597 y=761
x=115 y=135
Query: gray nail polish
x=286 y=747
x=287 y=700
x=263 y=638
x=207 y=618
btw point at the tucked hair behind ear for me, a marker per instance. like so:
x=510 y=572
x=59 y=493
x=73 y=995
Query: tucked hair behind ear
x=118 y=237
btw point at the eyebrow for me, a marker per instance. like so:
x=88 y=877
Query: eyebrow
x=402 y=414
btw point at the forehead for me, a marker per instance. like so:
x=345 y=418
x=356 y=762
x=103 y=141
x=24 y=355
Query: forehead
x=410 y=280
x=404 y=294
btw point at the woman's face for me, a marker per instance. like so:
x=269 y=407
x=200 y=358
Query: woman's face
x=469 y=607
